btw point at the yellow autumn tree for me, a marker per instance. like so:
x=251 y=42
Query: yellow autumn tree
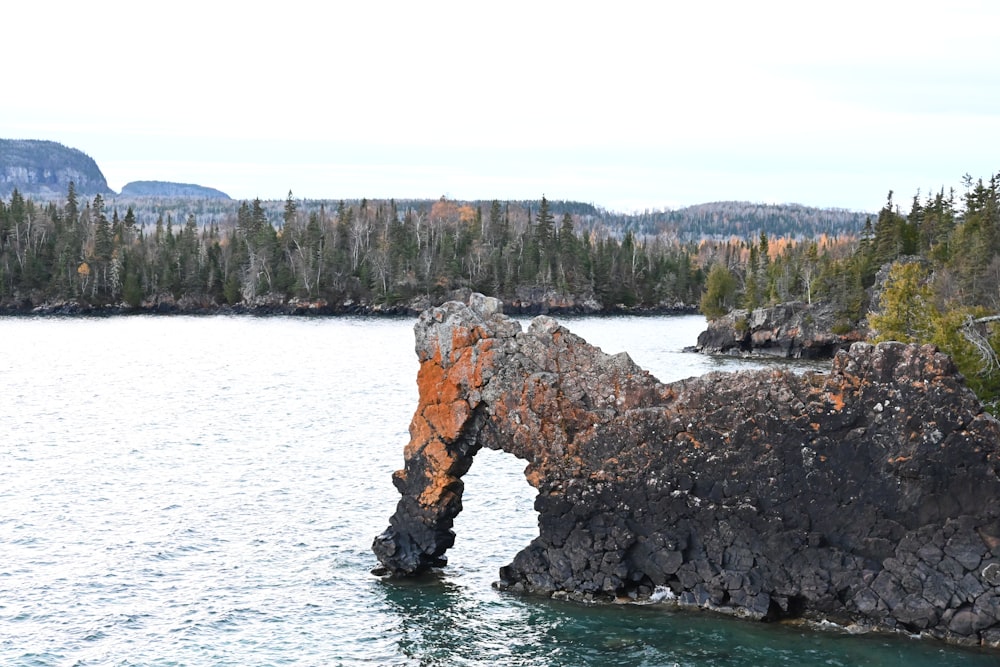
x=906 y=310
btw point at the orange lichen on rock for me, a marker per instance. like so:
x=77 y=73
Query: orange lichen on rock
x=437 y=490
x=434 y=383
x=420 y=435
x=444 y=393
x=461 y=341
x=447 y=419
x=836 y=399
x=438 y=457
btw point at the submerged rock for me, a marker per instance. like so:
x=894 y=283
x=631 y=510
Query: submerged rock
x=867 y=495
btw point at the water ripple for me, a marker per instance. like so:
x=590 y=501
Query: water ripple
x=204 y=491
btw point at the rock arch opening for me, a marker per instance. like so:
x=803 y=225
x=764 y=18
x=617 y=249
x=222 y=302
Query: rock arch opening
x=498 y=517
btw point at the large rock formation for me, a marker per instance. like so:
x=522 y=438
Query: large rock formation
x=794 y=330
x=870 y=494
x=44 y=169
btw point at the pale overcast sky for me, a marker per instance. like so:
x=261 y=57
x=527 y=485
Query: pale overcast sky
x=628 y=105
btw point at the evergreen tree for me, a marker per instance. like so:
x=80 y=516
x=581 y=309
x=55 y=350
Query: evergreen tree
x=291 y=208
x=894 y=236
x=569 y=255
x=544 y=239
x=67 y=250
x=720 y=292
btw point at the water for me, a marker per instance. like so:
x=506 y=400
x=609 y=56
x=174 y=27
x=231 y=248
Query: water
x=204 y=491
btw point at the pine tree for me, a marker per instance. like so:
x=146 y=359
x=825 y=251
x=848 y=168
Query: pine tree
x=288 y=216
x=568 y=255
x=544 y=239
x=67 y=246
x=103 y=249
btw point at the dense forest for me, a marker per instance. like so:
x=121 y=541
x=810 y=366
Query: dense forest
x=368 y=253
x=711 y=221
x=388 y=252
x=930 y=273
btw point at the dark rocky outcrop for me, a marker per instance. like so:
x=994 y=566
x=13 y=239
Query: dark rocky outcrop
x=44 y=169
x=867 y=495
x=793 y=330
x=201 y=304
x=34 y=303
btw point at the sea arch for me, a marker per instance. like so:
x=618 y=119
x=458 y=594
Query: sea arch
x=483 y=382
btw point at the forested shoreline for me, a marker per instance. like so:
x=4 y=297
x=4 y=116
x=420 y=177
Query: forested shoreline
x=376 y=256
x=367 y=256
x=928 y=276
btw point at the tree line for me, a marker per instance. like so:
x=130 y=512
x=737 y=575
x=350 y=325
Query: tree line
x=367 y=252
x=926 y=274
x=381 y=253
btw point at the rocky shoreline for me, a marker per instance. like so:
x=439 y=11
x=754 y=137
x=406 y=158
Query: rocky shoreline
x=867 y=496
x=530 y=303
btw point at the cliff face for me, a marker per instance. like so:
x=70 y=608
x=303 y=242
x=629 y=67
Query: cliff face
x=870 y=494
x=45 y=168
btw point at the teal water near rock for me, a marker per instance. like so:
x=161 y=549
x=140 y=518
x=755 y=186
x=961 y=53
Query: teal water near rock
x=204 y=491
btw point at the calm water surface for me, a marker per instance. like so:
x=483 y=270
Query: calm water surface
x=204 y=491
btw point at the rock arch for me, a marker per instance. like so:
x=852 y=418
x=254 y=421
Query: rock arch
x=869 y=494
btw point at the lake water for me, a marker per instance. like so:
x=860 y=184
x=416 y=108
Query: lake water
x=205 y=491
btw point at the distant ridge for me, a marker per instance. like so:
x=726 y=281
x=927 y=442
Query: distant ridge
x=171 y=190
x=44 y=169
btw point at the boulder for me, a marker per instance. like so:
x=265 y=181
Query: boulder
x=794 y=330
x=868 y=495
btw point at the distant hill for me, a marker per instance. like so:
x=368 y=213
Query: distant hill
x=167 y=189
x=721 y=220
x=44 y=169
